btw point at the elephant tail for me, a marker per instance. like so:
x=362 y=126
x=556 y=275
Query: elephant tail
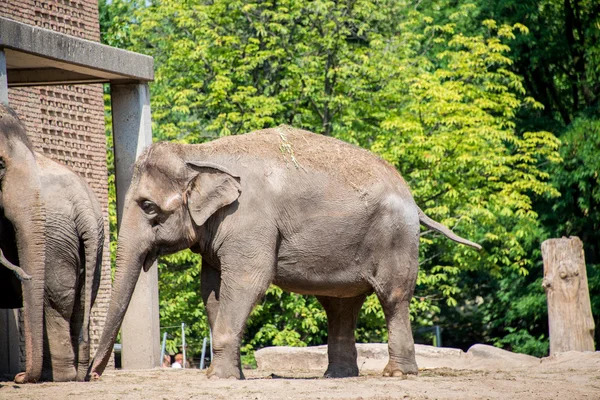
x=92 y=234
x=436 y=226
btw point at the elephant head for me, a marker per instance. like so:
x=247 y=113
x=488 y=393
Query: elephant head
x=23 y=228
x=166 y=209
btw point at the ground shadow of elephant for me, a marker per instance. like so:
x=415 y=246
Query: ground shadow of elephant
x=51 y=241
x=306 y=212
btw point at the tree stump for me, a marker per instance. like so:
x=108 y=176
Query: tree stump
x=565 y=281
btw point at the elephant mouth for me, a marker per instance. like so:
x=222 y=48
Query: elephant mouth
x=157 y=251
x=150 y=258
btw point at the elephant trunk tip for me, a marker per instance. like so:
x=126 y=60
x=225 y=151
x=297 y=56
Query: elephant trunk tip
x=93 y=376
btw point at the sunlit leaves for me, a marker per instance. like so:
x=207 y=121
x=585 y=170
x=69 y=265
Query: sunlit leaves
x=180 y=301
x=433 y=99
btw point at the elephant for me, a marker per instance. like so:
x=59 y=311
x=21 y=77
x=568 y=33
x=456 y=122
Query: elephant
x=51 y=243
x=309 y=213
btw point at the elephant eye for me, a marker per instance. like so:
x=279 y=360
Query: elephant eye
x=149 y=207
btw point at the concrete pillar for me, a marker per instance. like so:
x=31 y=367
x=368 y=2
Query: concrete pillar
x=132 y=132
x=3 y=79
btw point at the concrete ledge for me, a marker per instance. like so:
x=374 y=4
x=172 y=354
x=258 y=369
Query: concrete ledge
x=45 y=76
x=483 y=356
x=373 y=357
x=284 y=358
x=574 y=360
x=34 y=48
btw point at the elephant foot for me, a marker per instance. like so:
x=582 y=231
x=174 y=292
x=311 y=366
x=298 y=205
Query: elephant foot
x=224 y=372
x=24 y=377
x=81 y=374
x=394 y=369
x=341 y=371
x=67 y=375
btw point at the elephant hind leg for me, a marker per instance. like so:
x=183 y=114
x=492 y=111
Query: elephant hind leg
x=83 y=359
x=78 y=325
x=59 y=354
x=394 y=288
x=342 y=314
x=401 y=345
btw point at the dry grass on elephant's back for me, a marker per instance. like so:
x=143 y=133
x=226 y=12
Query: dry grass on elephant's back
x=305 y=150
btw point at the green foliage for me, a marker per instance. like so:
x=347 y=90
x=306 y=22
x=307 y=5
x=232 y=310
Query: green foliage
x=116 y=21
x=112 y=194
x=180 y=302
x=559 y=61
x=434 y=94
x=448 y=123
x=577 y=211
x=286 y=319
x=521 y=341
x=559 y=58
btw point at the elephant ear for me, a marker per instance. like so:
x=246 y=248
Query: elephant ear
x=212 y=188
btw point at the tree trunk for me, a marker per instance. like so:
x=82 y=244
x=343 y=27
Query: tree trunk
x=565 y=281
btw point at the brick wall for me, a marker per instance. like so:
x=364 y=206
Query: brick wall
x=66 y=123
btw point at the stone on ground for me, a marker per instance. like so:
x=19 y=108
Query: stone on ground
x=373 y=357
x=483 y=356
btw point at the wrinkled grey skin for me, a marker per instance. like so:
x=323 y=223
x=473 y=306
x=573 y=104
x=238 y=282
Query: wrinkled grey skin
x=306 y=212
x=60 y=279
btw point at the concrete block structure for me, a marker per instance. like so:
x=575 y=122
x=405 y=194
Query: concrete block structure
x=51 y=70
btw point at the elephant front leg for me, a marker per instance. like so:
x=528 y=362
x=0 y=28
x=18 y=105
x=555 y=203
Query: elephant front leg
x=209 y=289
x=342 y=315
x=239 y=292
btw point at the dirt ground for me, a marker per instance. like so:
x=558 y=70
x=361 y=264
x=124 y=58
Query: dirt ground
x=577 y=379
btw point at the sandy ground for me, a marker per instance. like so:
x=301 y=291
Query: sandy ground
x=578 y=379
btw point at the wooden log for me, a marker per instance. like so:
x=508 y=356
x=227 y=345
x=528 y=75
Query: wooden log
x=570 y=318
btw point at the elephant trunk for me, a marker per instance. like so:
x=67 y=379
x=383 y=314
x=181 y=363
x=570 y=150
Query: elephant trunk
x=26 y=210
x=130 y=258
x=32 y=257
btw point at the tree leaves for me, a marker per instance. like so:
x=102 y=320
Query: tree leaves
x=434 y=97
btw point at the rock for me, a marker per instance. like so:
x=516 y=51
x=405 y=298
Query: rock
x=422 y=350
x=573 y=360
x=482 y=356
x=429 y=357
x=284 y=358
x=372 y=357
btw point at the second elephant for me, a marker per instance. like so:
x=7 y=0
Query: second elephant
x=51 y=226
x=306 y=212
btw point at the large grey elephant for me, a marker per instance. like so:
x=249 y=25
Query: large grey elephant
x=51 y=241
x=306 y=212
